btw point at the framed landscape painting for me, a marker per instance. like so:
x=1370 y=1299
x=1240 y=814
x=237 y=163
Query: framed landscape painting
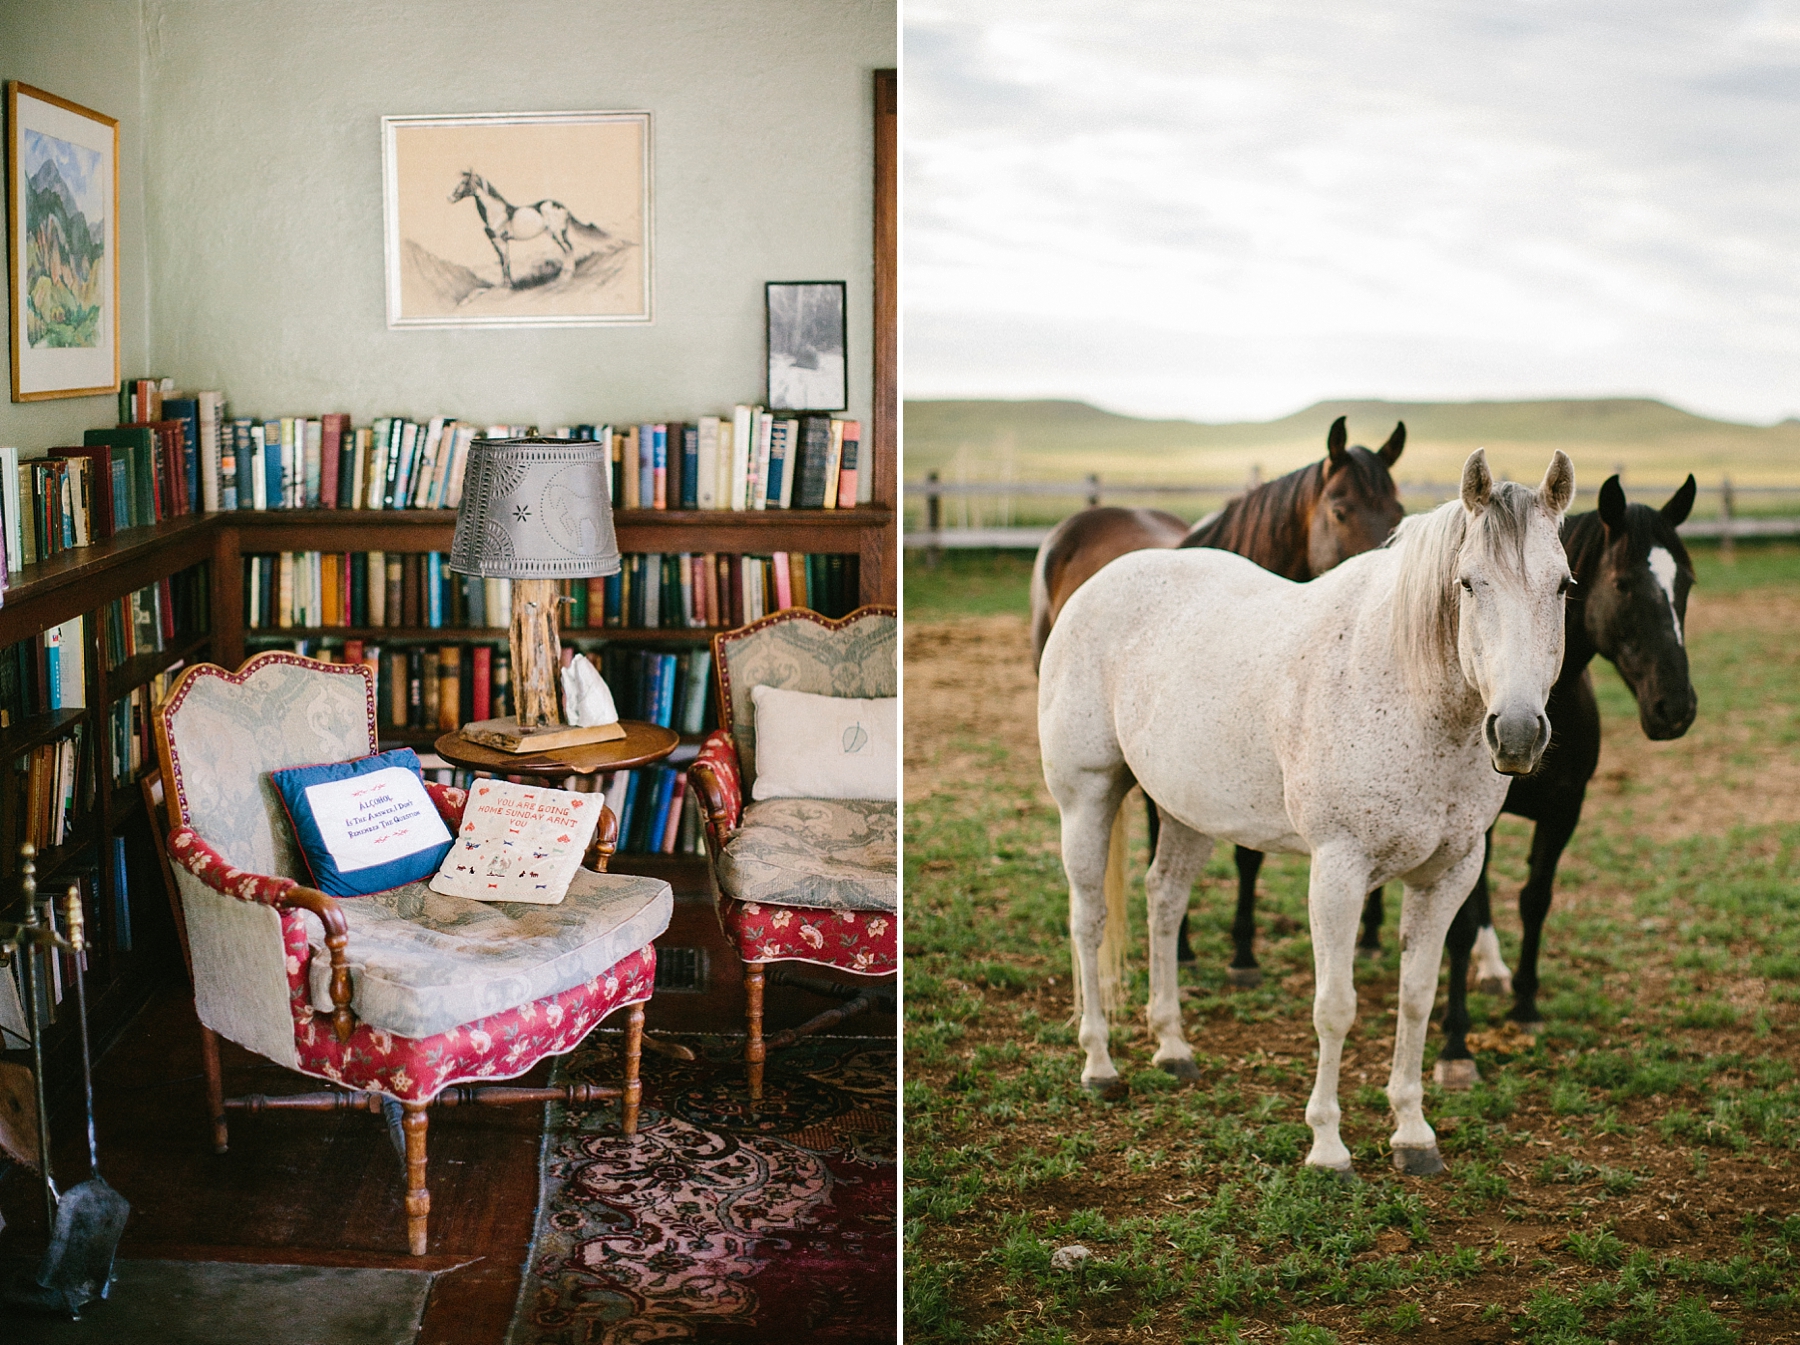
x=62 y=194
x=517 y=219
x=807 y=357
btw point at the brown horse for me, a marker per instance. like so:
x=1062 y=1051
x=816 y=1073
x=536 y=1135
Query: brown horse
x=1298 y=525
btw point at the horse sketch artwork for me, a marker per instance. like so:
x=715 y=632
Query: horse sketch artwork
x=527 y=220
x=1369 y=718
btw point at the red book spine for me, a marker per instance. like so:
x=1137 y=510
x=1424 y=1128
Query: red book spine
x=168 y=609
x=735 y=566
x=331 y=444
x=353 y=651
x=596 y=605
x=847 y=468
x=483 y=680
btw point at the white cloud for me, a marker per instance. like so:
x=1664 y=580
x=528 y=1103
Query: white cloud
x=1301 y=200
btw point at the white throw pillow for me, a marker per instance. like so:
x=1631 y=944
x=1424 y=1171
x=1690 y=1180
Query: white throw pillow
x=824 y=747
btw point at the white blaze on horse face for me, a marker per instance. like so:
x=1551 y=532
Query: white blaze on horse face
x=1662 y=568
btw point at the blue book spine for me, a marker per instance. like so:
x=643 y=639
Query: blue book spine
x=690 y=467
x=626 y=810
x=121 y=899
x=615 y=594
x=275 y=483
x=246 y=470
x=659 y=821
x=434 y=589
x=53 y=675
x=779 y=452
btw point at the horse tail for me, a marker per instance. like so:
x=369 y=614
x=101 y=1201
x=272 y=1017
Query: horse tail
x=1112 y=936
x=1040 y=601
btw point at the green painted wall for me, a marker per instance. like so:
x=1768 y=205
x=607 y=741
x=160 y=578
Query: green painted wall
x=252 y=152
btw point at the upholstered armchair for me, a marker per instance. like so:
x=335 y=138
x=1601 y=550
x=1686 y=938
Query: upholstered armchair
x=400 y=999
x=800 y=880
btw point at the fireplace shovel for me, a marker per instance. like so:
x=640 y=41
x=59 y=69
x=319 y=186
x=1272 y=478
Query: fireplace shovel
x=90 y=1217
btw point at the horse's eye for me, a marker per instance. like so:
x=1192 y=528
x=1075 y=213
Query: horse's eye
x=1563 y=588
x=1467 y=585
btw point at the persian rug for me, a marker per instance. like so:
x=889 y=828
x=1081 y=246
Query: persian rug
x=222 y=1303
x=719 y=1223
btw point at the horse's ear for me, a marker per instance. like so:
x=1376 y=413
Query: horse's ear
x=1390 y=451
x=1675 y=512
x=1335 y=442
x=1558 y=486
x=1477 y=482
x=1612 y=504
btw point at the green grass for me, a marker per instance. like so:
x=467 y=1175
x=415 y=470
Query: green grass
x=1668 y=1068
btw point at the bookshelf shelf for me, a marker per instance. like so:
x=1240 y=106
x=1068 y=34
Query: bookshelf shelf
x=140 y=669
x=36 y=731
x=476 y=634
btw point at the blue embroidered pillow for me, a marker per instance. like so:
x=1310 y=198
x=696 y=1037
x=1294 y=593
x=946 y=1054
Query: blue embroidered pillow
x=364 y=826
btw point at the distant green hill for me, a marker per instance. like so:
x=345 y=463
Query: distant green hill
x=1055 y=440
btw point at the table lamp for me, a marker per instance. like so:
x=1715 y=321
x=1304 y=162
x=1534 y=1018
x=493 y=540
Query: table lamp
x=535 y=511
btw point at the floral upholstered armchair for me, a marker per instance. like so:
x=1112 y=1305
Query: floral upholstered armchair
x=397 y=999
x=799 y=880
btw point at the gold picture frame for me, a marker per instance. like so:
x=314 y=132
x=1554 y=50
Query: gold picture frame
x=62 y=192
x=536 y=219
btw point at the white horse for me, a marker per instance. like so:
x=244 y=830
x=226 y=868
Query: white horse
x=1368 y=718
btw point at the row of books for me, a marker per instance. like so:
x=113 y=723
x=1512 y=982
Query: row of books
x=151 y=619
x=756 y=459
x=130 y=726
x=421 y=688
x=653 y=591
x=45 y=673
x=52 y=790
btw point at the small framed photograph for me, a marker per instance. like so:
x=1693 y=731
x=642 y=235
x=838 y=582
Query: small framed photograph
x=62 y=193
x=537 y=219
x=807 y=365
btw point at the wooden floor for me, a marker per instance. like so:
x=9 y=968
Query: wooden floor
x=309 y=1188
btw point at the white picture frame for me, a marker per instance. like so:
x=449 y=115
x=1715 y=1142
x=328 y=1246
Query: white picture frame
x=540 y=219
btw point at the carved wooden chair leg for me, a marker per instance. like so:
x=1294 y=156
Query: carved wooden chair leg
x=753 y=1011
x=634 y=1054
x=418 y=1198
x=215 y=1088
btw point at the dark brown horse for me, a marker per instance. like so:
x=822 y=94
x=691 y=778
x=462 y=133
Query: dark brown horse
x=1298 y=525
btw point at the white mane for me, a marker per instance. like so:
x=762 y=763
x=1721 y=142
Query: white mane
x=1426 y=599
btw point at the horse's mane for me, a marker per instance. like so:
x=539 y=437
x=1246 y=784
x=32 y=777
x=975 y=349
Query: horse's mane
x=1264 y=524
x=1426 y=600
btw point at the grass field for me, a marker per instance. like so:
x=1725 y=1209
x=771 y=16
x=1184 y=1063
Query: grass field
x=1629 y=1174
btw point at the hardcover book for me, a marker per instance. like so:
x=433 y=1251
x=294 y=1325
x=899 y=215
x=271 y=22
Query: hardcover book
x=518 y=843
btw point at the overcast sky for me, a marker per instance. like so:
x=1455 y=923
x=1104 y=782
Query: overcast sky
x=1229 y=210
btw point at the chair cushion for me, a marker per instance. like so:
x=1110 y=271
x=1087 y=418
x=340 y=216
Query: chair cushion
x=422 y=962
x=825 y=747
x=830 y=854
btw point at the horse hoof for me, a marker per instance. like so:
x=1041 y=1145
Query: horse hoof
x=1368 y=952
x=1107 y=1090
x=1530 y=1028
x=1418 y=1160
x=1344 y=1172
x=1181 y=1067
x=1458 y=1076
x=1494 y=985
x=1244 y=978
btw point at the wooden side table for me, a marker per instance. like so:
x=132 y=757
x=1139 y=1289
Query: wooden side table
x=642 y=745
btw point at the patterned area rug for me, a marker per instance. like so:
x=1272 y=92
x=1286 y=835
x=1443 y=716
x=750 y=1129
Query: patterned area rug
x=719 y=1224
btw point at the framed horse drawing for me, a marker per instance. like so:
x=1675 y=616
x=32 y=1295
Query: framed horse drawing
x=517 y=219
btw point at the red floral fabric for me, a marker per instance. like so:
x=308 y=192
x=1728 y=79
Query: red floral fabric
x=867 y=942
x=449 y=800
x=719 y=753
x=218 y=873
x=500 y=1046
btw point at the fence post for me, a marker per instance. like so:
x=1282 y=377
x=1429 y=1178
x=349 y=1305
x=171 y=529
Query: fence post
x=934 y=521
x=1093 y=483
x=1727 y=509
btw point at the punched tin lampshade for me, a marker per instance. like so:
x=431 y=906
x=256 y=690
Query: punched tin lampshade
x=535 y=509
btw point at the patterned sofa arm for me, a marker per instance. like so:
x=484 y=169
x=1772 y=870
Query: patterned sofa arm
x=716 y=777
x=210 y=867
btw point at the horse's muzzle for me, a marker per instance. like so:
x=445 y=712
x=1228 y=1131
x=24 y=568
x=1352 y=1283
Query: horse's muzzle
x=1516 y=741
